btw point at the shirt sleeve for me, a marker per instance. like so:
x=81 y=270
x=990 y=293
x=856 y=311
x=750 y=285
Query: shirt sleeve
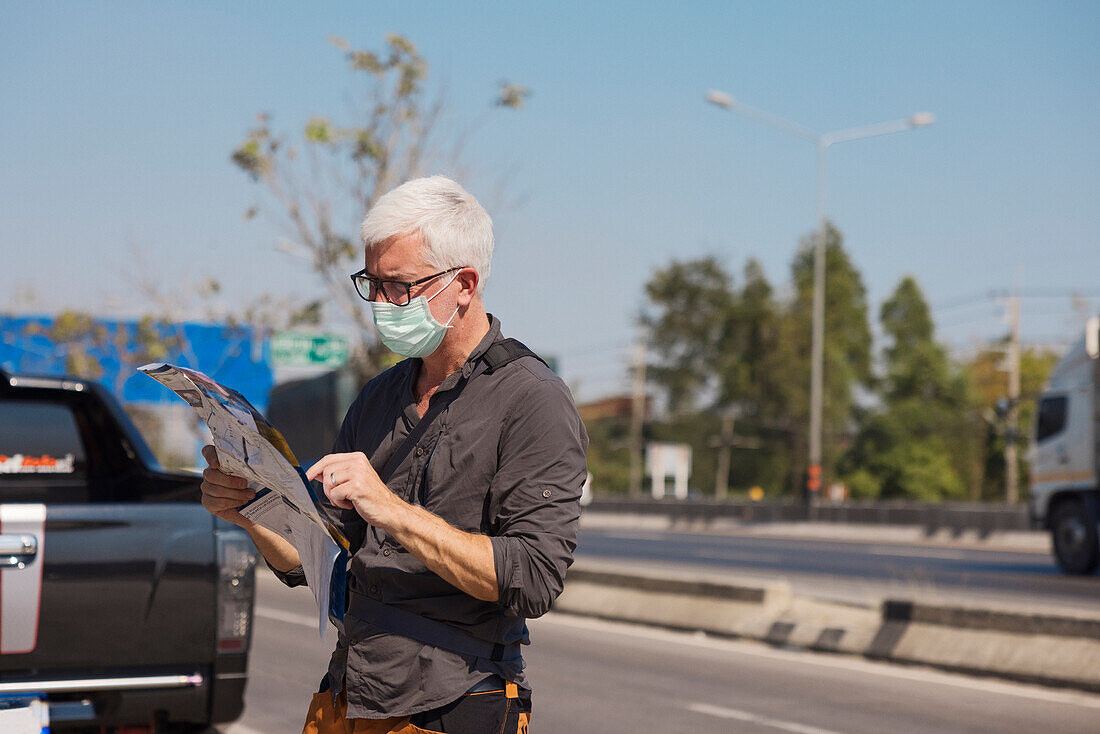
x=294 y=577
x=535 y=500
x=347 y=521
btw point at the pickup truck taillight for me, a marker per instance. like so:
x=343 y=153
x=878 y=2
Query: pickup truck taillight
x=236 y=575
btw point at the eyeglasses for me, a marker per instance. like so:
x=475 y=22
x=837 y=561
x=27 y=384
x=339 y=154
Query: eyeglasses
x=396 y=292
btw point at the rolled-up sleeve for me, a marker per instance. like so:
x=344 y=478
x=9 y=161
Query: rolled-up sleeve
x=294 y=577
x=535 y=499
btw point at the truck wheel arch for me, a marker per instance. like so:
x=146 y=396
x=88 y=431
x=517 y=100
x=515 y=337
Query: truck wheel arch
x=1068 y=507
x=1090 y=498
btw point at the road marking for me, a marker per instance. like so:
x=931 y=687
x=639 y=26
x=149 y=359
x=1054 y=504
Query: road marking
x=636 y=536
x=751 y=718
x=760 y=650
x=878 y=550
x=289 y=617
x=734 y=555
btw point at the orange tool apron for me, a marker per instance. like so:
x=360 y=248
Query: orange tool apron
x=326 y=718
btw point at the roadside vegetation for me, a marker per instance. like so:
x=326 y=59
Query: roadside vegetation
x=904 y=422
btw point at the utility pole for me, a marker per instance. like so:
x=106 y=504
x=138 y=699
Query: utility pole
x=725 y=442
x=637 y=416
x=722 y=476
x=1013 y=413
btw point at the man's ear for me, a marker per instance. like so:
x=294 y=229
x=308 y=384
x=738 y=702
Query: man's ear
x=467 y=280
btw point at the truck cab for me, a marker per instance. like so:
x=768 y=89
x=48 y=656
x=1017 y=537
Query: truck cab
x=123 y=603
x=1065 y=456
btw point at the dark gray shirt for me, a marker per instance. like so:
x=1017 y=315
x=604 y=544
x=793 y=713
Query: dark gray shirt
x=504 y=458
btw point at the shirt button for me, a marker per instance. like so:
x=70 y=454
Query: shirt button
x=387 y=552
x=546 y=493
x=419 y=450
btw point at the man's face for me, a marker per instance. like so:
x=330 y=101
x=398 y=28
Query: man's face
x=399 y=258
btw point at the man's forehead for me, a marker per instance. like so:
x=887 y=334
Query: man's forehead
x=396 y=257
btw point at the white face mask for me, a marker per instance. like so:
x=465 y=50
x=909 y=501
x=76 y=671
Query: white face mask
x=411 y=330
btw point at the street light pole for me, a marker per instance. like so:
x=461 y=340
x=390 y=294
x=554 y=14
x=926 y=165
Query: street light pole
x=817 y=343
x=822 y=144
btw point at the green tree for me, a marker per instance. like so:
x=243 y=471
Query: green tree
x=608 y=454
x=690 y=329
x=719 y=344
x=922 y=443
x=713 y=340
x=319 y=185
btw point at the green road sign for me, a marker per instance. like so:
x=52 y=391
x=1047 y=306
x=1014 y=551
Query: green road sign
x=308 y=349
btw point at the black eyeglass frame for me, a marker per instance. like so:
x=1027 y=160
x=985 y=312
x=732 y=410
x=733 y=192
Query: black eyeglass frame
x=379 y=283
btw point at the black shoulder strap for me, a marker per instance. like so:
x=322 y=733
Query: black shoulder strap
x=505 y=351
x=496 y=356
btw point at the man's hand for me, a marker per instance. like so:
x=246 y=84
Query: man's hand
x=464 y=560
x=350 y=482
x=222 y=494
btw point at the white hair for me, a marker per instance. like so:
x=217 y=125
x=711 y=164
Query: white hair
x=454 y=229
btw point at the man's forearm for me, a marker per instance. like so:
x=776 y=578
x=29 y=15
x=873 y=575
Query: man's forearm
x=464 y=560
x=275 y=548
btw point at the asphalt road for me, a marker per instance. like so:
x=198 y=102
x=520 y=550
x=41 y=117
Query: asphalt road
x=594 y=677
x=856 y=570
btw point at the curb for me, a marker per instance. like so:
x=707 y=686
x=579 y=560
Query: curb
x=1051 y=649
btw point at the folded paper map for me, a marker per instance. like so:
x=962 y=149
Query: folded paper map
x=249 y=447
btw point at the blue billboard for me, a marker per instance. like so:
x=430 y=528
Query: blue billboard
x=236 y=356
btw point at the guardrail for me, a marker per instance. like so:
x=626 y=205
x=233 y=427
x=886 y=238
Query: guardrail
x=952 y=516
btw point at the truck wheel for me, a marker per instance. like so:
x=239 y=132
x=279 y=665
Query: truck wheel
x=1073 y=531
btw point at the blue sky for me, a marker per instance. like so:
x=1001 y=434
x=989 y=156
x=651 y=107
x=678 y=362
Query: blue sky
x=118 y=120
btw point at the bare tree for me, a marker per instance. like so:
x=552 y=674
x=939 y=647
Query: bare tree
x=317 y=188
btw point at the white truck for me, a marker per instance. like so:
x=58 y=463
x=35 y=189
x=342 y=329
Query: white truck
x=1065 y=456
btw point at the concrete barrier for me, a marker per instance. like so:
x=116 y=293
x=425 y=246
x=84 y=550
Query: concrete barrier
x=1040 y=648
x=952 y=517
x=1059 y=650
x=688 y=602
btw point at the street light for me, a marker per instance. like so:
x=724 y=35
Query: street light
x=822 y=143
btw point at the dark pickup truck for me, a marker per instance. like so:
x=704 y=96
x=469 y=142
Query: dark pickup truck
x=123 y=603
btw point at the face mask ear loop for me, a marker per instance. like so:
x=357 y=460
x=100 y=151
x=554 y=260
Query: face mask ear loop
x=448 y=324
x=452 y=280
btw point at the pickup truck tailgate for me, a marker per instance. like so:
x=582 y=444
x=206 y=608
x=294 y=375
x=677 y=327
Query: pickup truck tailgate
x=116 y=587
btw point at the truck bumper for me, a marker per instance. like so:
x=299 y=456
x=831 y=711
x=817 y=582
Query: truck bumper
x=227 y=690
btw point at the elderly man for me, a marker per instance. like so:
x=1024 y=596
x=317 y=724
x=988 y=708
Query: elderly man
x=456 y=476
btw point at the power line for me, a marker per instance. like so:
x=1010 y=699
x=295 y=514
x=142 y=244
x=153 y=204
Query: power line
x=1045 y=293
x=960 y=302
x=1000 y=294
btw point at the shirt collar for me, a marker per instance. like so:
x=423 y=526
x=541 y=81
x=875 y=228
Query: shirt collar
x=491 y=337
